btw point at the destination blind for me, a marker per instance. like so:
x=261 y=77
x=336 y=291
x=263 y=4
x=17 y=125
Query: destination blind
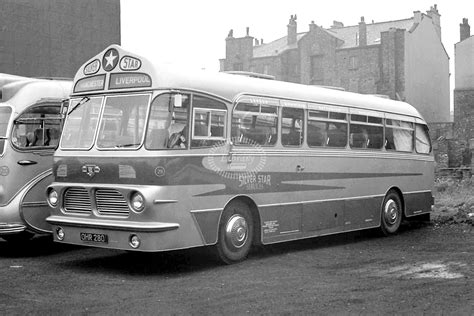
x=129 y=80
x=90 y=84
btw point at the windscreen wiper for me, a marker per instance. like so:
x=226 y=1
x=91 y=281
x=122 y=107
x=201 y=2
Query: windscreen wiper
x=83 y=100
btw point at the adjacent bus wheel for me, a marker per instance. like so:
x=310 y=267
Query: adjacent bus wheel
x=18 y=238
x=235 y=233
x=391 y=214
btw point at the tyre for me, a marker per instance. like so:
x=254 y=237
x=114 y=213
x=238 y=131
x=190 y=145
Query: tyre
x=236 y=233
x=391 y=214
x=18 y=238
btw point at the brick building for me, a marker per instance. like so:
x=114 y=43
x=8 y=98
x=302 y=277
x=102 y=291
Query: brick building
x=52 y=38
x=464 y=95
x=388 y=58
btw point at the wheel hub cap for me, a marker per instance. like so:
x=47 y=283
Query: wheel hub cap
x=236 y=231
x=391 y=212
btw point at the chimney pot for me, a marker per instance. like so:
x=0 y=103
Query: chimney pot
x=464 y=29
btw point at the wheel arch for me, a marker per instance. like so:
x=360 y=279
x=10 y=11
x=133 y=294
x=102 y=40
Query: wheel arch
x=255 y=215
x=400 y=195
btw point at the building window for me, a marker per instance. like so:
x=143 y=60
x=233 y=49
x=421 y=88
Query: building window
x=238 y=67
x=317 y=71
x=265 y=69
x=353 y=63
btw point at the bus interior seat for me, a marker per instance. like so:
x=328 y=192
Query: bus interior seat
x=40 y=138
x=359 y=140
x=53 y=136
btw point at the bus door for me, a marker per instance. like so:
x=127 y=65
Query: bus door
x=327 y=138
x=34 y=136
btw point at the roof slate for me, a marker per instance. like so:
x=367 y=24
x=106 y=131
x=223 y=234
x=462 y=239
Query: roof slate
x=347 y=34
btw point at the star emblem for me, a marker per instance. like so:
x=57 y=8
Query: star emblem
x=110 y=59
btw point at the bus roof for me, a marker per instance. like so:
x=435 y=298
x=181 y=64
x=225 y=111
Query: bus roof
x=117 y=70
x=20 y=92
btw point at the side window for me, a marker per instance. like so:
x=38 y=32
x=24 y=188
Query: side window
x=37 y=127
x=398 y=135
x=209 y=121
x=366 y=132
x=168 y=122
x=327 y=129
x=422 y=143
x=292 y=127
x=254 y=123
x=5 y=113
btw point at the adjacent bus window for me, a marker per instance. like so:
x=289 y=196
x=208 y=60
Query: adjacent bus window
x=123 y=121
x=327 y=129
x=398 y=135
x=292 y=127
x=81 y=123
x=168 y=122
x=39 y=126
x=209 y=118
x=422 y=143
x=366 y=134
x=5 y=113
x=254 y=124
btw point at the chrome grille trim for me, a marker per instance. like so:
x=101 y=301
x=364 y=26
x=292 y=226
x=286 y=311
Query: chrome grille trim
x=111 y=202
x=77 y=200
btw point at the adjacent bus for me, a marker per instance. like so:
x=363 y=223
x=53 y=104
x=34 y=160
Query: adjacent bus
x=30 y=126
x=155 y=159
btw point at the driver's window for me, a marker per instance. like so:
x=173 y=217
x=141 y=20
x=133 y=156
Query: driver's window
x=38 y=127
x=168 y=122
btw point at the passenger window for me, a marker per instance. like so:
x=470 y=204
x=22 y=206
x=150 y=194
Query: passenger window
x=365 y=134
x=254 y=124
x=398 y=135
x=168 y=122
x=422 y=143
x=209 y=122
x=327 y=129
x=38 y=127
x=292 y=127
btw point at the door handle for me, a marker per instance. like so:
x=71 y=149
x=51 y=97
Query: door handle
x=299 y=168
x=26 y=162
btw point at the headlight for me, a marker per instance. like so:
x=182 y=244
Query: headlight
x=137 y=202
x=53 y=197
x=134 y=241
x=60 y=233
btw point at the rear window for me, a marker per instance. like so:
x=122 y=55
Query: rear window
x=422 y=142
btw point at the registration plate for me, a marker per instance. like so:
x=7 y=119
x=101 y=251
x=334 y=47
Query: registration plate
x=90 y=237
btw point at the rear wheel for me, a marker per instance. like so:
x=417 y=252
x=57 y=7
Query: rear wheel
x=236 y=229
x=18 y=238
x=391 y=213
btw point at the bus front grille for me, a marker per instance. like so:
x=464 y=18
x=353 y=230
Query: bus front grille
x=111 y=202
x=76 y=200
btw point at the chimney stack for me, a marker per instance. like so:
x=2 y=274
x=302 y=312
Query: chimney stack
x=362 y=32
x=292 y=30
x=465 y=29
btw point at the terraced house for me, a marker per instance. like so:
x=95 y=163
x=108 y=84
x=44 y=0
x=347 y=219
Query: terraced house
x=403 y=59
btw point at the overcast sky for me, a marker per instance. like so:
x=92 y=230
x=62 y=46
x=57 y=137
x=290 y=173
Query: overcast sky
x=192 y=33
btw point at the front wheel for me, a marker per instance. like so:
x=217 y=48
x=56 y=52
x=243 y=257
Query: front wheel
x=236 y=230
x=391 y=214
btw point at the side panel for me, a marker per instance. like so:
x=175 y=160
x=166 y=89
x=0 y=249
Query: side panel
x=281 y=222
x=319 y=216
x=33 y=208
x=362 y=213
x=418 y=203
